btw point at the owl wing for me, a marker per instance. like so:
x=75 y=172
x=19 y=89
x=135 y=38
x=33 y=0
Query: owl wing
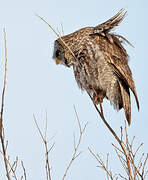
x=111 y=23
x=122 y=70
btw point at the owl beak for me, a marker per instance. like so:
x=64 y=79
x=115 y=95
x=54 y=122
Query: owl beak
x=57 y=61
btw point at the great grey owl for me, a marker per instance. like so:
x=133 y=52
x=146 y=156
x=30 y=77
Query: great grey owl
x=100 y=63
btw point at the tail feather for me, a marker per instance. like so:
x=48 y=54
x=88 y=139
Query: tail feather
x=111 y=23
x=126 y=101
x=136 y=97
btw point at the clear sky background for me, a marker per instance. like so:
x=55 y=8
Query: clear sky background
x=36 y=85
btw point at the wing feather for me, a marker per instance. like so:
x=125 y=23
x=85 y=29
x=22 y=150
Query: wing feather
x=126 y=100
x=117 y=58
x=111 y=23
x=123 y=71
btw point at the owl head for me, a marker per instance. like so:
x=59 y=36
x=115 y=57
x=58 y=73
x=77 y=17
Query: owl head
x=66 y=48
x=60 y=54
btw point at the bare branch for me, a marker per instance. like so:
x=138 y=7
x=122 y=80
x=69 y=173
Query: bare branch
x=2 y=110
x=62 y=27
x=5 y=77
x=143 y=168
x=115 y=135
x=78 y=120
x=132 y=142
x=76 y=146
x=122 y=160
x=24 y=170
x=107 y=165
x=117 y=148
x=97 y=157
x=128 y=163
x=138 y=149
x=38 y=128
x=11 y=166
x=51 y=147
x=47 y=166
x=46 y=126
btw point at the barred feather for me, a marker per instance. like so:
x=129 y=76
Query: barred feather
x=111 y=23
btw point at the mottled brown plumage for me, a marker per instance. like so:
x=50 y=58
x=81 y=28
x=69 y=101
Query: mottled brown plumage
x=100 y=63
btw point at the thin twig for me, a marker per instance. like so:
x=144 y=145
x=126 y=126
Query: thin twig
x=16 y=163
x=47 y=166
x=5 y=77
x=62 y=27
x=117 y=148
x=115 y=135
x=76 y=146
x=2 y=110
x=11 y=167
x=122 y=177
x=132 y=142
x=38 y=128
x=102 y=117
x=122 y=160
x=24 y=170
x=46 y=122
x=107 y=165
x=144 y=164
x=97 y=157
x=138 y=149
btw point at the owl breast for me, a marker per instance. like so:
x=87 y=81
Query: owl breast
x=93 y=74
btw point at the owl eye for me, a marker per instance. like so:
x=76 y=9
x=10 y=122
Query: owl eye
x=58 y=53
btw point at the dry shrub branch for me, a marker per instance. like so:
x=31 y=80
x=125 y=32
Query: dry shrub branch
x=10 y=168
x=47 y=149
x=2 y=136
x=76 y=146
x=125 y=153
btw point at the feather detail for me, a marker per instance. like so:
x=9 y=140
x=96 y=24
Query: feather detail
x=125 y=75
x=125 y=94
x=111 y=23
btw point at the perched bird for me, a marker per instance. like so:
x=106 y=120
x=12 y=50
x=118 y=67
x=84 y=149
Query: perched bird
x=100 y=63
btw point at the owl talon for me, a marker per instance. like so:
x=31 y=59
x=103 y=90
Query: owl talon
x=97 y=99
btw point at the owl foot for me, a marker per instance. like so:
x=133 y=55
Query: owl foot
x=98 y=99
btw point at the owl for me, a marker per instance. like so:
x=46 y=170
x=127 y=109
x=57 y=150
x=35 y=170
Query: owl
x=100 y=63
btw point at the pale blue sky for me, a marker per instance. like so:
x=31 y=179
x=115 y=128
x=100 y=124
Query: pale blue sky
x=36 y=85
